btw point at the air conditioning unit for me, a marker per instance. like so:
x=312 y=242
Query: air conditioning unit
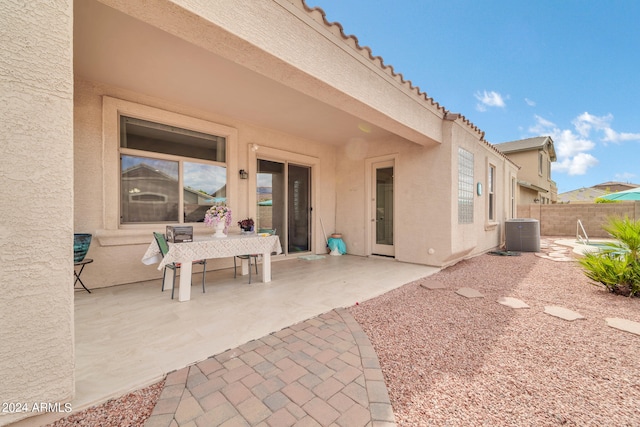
x=522 y=235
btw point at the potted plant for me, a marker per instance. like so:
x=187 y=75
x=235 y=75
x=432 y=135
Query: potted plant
x=219 y=217
x=246 y=225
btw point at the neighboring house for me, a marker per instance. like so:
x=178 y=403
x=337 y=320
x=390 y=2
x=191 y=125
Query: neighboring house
x=270 y=88
x=534 y=156
x=590 y=194
x=150 y=195
x=614 y=186
x=581 y=195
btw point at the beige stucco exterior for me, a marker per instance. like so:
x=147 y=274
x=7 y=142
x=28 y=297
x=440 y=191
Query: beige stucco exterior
x=534 y=157
x=276 y=80
x=36 y=298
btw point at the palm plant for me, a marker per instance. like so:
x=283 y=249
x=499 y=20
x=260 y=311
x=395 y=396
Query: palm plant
x=617 y=265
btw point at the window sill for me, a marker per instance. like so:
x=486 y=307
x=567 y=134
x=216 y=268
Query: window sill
x=137 y=236
x=490 y=226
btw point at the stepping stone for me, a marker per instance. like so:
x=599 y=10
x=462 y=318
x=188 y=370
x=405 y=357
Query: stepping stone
x=432 y=285
x=512 y=302
x=623 y=325
x=563 y=313
x=558 y=254
x=469 y=293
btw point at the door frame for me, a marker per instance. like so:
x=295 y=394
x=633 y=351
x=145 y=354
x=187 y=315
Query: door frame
x=256 y=152
x=369 y=217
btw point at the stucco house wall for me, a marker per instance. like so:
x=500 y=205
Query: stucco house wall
x=117 y=251
x=274 y=78
x=535 y=183
x=483 y=233
x=427 y=229
x=36 y=302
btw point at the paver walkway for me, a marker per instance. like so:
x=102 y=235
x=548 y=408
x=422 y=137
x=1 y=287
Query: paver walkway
x=320 y=372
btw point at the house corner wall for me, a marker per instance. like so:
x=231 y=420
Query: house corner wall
x=36 y=302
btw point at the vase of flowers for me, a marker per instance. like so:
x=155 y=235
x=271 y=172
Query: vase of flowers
x=219 y=217
x=246 y=225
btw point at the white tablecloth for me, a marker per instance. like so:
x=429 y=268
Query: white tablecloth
x=210 y=247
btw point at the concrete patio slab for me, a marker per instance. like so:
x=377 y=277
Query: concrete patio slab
x=469 y=293
x=623 y=325
x=562 y=313
x=512 y=302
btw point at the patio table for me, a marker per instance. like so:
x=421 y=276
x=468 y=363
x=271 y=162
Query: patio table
x=209 y=247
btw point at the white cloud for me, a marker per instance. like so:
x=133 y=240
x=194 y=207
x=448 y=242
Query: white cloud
x=529 y=102
x=489 y=99
x=585 y=123
x=611 y=135
x=571 y=147
x=625 y=176
x=542 y=126
x=568 y=144
x=576 y=165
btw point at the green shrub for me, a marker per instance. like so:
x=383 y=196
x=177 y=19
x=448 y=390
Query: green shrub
x=601 y=200
x=617 y=265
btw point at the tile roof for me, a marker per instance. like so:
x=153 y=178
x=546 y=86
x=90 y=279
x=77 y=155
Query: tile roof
x=336 y=28
x=581 y=195
x=526 y=144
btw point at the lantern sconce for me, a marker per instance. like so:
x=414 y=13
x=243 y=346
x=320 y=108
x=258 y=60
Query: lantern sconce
x=244 y=174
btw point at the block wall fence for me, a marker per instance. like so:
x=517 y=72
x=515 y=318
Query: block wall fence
x=562 y=219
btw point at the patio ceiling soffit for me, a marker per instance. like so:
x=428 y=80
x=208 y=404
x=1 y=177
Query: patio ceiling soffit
x=257 y=85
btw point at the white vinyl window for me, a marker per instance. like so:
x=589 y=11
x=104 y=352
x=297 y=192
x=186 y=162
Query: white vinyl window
x=540 y=162
x=169 y=174
x=513 y=197
x=491 y=199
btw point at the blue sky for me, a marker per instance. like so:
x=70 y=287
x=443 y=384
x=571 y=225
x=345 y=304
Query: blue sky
x=516 y=69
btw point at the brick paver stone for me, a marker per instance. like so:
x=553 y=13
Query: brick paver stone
x=217 y=416
x=328 y=388
x=356 y=416
x=321 y=372
x=281 y=418
x=297 y=393
x=341 y=402
x=321 y=411
x=212 y=400
x=209 y=366
x=276 y=401
x=236 y=393
x=253 y=410
x=187 y=410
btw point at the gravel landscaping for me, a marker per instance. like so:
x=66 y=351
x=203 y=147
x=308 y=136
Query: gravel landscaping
x=449 y=360
x=454 y=361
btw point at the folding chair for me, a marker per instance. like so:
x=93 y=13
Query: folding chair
x=164 y=248
x=254 y=256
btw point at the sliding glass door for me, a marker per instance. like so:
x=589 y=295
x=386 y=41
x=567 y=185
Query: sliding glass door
x=284 y=203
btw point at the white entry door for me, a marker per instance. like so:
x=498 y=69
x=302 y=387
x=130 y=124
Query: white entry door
x=382 y=209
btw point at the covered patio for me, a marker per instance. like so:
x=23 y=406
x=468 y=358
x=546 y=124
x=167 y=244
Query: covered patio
x=130 y=336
